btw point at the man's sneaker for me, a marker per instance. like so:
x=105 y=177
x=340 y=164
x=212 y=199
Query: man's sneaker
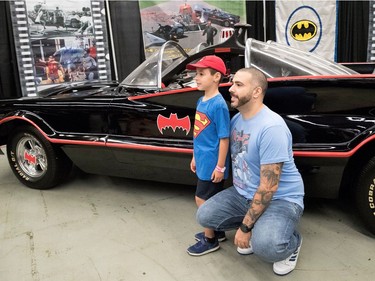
x=220 y=235
x=202 y=247
x=245 y=251
x=285 y=266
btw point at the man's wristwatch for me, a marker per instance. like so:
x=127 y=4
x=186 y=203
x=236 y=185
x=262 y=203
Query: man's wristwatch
x=245 y=229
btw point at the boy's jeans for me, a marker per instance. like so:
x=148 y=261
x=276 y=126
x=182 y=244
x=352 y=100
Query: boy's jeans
x=274 y=236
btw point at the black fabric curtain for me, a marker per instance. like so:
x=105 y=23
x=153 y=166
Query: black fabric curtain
x=255 y=16
x=127 y=38
x=9 y=82
x=353 y=23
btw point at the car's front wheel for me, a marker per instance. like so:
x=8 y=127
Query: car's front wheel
x=34 y=160
x=365 y=195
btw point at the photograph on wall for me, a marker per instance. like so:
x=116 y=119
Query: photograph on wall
x=62 y=41
x=59 y=18
x=189 y=22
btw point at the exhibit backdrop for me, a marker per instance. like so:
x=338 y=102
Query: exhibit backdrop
x=60 y=42
x=189 y=22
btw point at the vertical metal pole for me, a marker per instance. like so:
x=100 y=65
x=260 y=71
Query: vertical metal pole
x=111 y=38
x=264 y=21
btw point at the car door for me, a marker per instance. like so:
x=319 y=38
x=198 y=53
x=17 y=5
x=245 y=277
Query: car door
x=329 y=120
x=151 y=135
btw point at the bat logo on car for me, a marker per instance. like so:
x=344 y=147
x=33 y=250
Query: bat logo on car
x=30 y=158
x=173 y=122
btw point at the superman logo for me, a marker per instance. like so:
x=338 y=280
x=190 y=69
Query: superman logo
x=201 y=122
x=173 y=122
x=303 y=30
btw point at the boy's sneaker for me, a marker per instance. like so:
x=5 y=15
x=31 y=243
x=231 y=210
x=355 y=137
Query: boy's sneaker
x=220 y=235
x=285 y=266
x=202 y=247
x=245 y=251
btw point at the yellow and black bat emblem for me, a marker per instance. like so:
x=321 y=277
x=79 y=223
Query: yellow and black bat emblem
x=303 y=30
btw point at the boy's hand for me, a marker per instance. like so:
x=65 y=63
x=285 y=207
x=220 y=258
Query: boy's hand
x=217 y=176
x=193 y=168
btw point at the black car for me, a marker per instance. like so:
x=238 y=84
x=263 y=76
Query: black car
x=142 y=127
x=222 y=18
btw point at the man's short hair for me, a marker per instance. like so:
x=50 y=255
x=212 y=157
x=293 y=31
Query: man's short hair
x=257 y=77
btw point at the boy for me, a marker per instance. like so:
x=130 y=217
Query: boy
x=211 y=142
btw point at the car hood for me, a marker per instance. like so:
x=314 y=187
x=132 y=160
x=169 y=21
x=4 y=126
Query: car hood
x=80 y=89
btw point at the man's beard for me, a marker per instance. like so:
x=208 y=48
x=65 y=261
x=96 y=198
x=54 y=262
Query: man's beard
x=241 y=101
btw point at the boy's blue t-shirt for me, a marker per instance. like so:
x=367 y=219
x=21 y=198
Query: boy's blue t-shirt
x=212 y=123
x=264 y=139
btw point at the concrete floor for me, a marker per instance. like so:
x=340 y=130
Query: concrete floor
x=101 y=228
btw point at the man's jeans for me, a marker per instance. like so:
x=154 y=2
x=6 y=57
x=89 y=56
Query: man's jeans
x=274 y=236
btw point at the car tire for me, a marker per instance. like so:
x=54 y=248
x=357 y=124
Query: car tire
x=365 y=195
x=34 y=160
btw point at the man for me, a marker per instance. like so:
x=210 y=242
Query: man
x=41 y=13
x=211 y=33
x=53 y=69
x=58 y=18
x=89 y=66
x=266 y=201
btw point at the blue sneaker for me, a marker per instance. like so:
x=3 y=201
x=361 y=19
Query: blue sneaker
x=202 y=247
x=220 y=235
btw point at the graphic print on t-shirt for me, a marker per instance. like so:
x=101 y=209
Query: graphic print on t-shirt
x=201 y=123
x=241 y=172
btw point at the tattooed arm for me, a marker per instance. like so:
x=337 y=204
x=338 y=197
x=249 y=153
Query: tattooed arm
x=269 y=182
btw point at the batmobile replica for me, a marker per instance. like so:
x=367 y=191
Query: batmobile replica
x=222 y=18
x=143 y=127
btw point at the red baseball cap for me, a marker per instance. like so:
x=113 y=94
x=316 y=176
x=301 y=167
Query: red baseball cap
x=212 y=61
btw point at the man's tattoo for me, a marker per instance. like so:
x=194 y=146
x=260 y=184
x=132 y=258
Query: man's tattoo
x=269 y=181
x=270 y=174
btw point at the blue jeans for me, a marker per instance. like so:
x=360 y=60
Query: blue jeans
x=274 y=236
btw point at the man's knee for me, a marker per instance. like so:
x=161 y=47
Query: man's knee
x=199 y=215
x=203 y=215
x=269 y=247
x=264 y=247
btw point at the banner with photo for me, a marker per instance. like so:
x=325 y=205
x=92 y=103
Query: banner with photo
x=60 y=42
x=308 y=25
x=189 y=22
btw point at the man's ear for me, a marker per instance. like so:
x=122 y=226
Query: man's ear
x=257 y=92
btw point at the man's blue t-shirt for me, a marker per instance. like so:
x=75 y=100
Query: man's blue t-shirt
x=212 y=123
x=264 y=139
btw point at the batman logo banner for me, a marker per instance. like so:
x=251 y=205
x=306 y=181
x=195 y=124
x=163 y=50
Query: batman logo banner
x=173 y=122
x=303 y=30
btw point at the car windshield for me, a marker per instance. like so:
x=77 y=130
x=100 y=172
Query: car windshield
x=198 y=48
x=278 y=60
x=148 y=75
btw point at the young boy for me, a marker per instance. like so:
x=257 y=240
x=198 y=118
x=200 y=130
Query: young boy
x=211 y=142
